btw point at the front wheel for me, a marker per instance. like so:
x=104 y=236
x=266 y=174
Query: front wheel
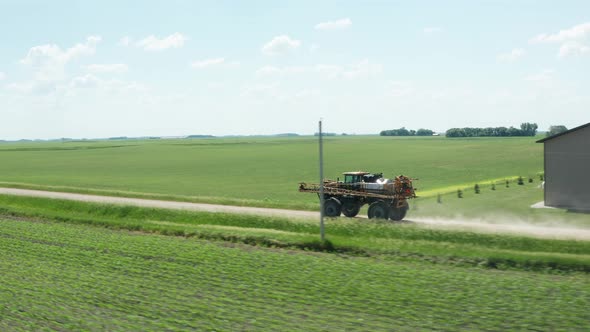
x=379 y=210
x=332 y=207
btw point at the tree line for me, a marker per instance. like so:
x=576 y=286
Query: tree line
x=526 y=129
x=554 y=130
x=405 y=132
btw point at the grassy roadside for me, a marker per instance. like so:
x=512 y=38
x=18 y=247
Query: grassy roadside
x=354 y=237
x=307 y=206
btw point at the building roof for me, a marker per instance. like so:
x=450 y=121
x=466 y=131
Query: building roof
x=563 y=133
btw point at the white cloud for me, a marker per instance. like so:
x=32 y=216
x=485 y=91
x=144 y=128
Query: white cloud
x=573 y=48
x=207 y=63
x=545 y=76
x=112 y=86
x=125 y=41
x=34 y=87
x=280 y=44
x=431 y=30
x=329 y=71
x=269 y=71
x=86 y=81
x=306 y=93
x=107 y=68
x=49 y=60
x=577 y=32
x=398 y=89
x=275 y=71
x=42 y=53
x=334 y=25
x=2 y=76
x=260 y=90
x=214 y=62
x=512 y=56
x=572 y=40
x=363 y=69
x=153 y=43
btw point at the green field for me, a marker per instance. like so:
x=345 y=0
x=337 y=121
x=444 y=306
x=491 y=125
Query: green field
x=70 y=266
x=58 y=276
x=259 y=171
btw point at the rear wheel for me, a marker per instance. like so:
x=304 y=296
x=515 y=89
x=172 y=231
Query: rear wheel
x=332 y=207
x=350 y=208
x=398 y=213
x=379 y=210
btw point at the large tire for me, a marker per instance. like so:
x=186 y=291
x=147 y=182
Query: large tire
x=332 y=207
x=379 y=210
x=350 y=208
x=398 y=213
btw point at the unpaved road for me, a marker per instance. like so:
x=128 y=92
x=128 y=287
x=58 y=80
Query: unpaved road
x=561 y=232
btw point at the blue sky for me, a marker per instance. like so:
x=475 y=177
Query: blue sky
x=137 y=68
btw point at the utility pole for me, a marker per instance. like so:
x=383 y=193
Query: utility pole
x=321 y=184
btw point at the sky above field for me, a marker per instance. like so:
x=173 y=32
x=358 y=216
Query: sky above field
x=140 y=68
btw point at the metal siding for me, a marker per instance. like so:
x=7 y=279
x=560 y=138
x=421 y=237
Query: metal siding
x=567 y=170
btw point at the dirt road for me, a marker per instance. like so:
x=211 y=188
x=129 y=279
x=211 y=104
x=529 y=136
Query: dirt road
x=153 y=203
x=471 y=225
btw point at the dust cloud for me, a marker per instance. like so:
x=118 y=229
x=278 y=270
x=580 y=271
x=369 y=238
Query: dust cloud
x=552 y=229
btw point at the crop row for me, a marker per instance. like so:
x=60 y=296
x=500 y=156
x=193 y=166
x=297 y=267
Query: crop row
x=62 y=276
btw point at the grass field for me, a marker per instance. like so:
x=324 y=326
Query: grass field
x=58 y=276
x=259 y=171
x=72 y=266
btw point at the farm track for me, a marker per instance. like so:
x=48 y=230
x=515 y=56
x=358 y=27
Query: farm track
x=470 y=225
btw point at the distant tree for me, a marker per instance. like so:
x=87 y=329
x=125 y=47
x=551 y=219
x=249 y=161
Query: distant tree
x=529 y=129
x=476 y=188
x=399 y=132
x=487 y=132
x=403 y=132
x=554 y=130
x=501 y=131
x=455 y=132
x=459 y=193
x=514 y=132
x=424 y=132
x=526 y=129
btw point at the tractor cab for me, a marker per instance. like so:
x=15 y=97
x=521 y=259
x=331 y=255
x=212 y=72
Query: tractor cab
x=353 y=177
x=358 y=177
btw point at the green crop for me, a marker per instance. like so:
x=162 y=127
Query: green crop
x=58 y=276
x=259 y=171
